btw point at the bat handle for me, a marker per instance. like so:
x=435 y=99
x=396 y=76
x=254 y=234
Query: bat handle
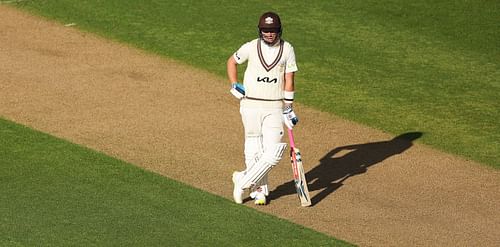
x=290 y=137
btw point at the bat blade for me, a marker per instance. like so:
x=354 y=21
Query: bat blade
x=299 y=177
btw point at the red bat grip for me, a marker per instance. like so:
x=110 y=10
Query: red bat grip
x=290 y=137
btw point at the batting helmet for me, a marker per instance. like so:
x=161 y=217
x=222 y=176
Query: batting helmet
x=270 y=21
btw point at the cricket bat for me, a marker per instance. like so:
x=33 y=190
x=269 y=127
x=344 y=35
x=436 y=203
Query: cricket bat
x=299 y=176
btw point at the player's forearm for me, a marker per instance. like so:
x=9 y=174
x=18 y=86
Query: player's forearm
x=232 y=70
x=289 y=82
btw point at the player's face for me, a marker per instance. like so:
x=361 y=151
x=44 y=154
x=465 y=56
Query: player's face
x=270 y=36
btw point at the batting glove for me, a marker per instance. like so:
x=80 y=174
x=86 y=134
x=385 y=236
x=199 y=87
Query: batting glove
x=237 y=90
x=289 y=117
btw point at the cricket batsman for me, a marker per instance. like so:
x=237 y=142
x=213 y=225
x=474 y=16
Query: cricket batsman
x=266 y=102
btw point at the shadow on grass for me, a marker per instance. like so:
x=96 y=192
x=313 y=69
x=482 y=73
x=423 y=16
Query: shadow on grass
x=344 y=162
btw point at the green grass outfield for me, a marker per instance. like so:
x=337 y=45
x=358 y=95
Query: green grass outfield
x=54 y=193
x=396 y=65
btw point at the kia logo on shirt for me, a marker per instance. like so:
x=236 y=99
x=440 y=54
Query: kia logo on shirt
x=267 y=79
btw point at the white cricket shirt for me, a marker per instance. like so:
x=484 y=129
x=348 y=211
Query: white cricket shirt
x=265 y=73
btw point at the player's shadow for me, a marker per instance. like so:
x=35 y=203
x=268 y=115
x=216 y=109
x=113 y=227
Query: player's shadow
x=344 y=162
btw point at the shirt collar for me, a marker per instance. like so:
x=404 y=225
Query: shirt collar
x=276 y=44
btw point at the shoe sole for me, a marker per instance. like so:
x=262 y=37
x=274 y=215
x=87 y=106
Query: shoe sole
x=260 y=202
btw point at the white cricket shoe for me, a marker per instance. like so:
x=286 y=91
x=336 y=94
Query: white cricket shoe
x=237 y=191
x=259 y=197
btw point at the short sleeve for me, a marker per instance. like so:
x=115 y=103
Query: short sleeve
x=291 y=64
x=242 y=54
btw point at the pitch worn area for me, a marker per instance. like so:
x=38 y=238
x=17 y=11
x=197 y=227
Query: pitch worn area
x=367 y=187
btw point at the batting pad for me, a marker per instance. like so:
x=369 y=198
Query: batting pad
x=258 y=170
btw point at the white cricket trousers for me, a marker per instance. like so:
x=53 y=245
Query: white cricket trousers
x=263 y=126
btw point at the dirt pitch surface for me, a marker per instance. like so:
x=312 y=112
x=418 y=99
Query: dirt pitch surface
x=367 y=187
